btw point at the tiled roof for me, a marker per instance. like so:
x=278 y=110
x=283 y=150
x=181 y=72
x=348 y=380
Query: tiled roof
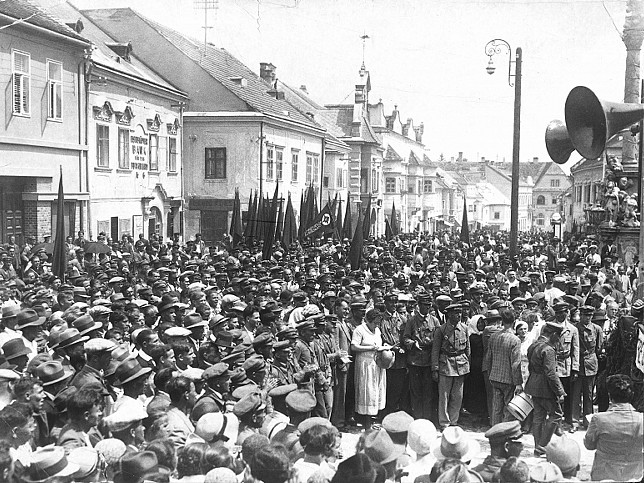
x=342 y=115
x=305 y=104
x=217 y=62
x=33 y=14
x=102 y=54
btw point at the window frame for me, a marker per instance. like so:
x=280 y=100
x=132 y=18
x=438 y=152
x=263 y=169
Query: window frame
x=270 y=162
x=295 y=164
x=496 y=215
x=153 y=152
x=52 y=86
x=124 y=154
x=214 y=160
x=554 y=183
x=279 y=164
x=428 y=186
x=172 y=154
x=25 y=100
x=541 y=200
x=390 y=184
x=102 y=146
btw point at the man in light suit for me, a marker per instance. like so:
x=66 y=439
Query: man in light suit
x=182 y=397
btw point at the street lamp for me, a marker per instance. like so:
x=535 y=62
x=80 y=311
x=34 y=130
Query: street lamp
x=492 y=48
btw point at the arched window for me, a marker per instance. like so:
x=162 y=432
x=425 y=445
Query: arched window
x=541 y=218
x=541 y=200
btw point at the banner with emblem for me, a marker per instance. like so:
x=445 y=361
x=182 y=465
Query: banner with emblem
x=321 y=224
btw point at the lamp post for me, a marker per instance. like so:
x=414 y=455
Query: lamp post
x=492 y=48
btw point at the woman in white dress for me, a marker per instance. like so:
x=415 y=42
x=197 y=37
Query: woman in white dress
x=370 y=380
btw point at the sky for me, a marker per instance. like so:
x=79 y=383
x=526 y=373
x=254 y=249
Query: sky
x=425 y=56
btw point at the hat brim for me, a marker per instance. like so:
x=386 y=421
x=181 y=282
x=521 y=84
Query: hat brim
x=67 y=373
x=142 y=372
x=473 y=449
x=23 y=352
x=36 y=323
x=96 y=326
x=203 y=323
x=80 y=340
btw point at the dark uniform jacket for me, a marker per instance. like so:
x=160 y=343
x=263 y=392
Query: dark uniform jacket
x=418 y=337
x=543 y=380
x=591 y=340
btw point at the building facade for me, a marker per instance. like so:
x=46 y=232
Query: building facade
x=42 y=137
x=238 y=130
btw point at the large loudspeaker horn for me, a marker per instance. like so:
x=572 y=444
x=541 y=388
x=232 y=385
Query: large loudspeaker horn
x=558 y=142
x=591 y=122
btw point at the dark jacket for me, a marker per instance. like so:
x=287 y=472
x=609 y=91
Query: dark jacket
x=543 y=380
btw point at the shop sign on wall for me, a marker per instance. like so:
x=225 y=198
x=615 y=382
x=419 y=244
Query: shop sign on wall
x=139 y=149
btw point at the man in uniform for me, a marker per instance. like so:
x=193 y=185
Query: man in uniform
x=505 y=441
x=450 y=362
x=591 y=341
x=217 y=384
x=544 y=386
x=418 y=338
x=567 y=356
x=397 y=379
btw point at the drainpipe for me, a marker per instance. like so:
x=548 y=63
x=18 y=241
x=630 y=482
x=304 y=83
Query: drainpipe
x=322 y=171
x=86 y=82
x=261 y=157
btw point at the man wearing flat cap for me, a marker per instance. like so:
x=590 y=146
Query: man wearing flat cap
x=544 y=386
x=217 y=385
x=418 y=337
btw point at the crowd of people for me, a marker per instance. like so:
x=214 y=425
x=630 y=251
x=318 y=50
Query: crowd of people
x=164 y=361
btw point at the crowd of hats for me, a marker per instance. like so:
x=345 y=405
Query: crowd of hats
x=189 y=292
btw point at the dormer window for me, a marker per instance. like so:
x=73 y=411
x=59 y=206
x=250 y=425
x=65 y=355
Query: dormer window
x=122 y=49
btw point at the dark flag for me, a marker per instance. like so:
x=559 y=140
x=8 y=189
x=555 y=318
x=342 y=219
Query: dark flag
x=389 y=234
x=465 y=227
x=355 y=252
x=346 y=225
x=249 y=218
x=322 y=224
x=280 y=221
x=303 y=214
x=236 y=232
x=59 y=263
x=290 y=225
x=270 y=224
x=366 y=221
x=338 y=220
x=259 y=231
x=395 y=229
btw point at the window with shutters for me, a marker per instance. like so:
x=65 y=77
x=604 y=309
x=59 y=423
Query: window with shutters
x=102 y=145
x=55 y=90
x=21 y=83
x=172 y=155
x=124 y=148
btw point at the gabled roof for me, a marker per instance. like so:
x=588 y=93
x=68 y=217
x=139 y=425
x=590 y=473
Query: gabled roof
x=307 y=105
x=342 y=116
x=217 y=62
x=392 y=155
x=535 y=170
x=28 y=12
x=413 y=159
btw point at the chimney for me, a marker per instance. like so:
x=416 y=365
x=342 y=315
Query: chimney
x=460 y=156
x=267 y=72
x=535 y=159
x=304 y=89
x=76 y=26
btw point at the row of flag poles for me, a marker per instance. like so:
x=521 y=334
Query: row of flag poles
x=267 y=221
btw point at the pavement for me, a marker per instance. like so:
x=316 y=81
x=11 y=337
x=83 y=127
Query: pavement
x=476 y=428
